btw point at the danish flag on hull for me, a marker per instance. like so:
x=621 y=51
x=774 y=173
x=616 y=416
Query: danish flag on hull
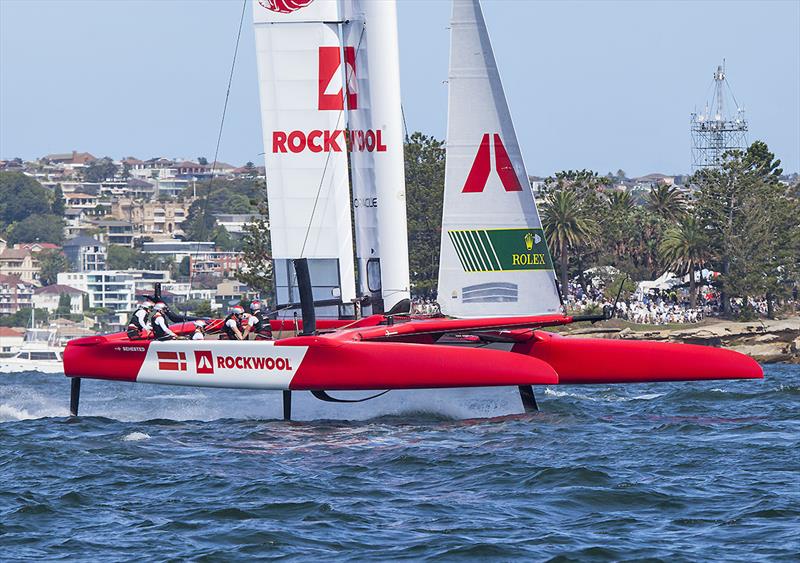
x=172 y=361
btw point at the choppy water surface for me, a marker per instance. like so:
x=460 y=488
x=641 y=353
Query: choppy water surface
x=682 y=471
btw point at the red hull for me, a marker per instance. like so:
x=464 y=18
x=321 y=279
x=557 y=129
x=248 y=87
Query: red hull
x=594 y=360
x=366 y=356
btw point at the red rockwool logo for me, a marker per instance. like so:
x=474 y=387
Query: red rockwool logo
x=338 y=140
x=481 y=167
x=253 y=362
x=330 y=78
x=204 y=361
x=171 y=361
x=284 y=6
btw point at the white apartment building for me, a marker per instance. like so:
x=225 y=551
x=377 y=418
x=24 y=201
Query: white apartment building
x=178 y=249
x=113 y=290
x=234 y=223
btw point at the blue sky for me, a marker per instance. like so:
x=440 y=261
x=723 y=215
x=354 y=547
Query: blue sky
x=599 y=85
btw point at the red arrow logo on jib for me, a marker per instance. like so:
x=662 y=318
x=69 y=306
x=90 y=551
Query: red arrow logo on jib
x=482 y=166
x=172 y=361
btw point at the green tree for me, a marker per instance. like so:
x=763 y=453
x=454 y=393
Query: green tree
x=567 y=226
x=256 y=271
x=184 y=269
x=588 y=187
x=238 y=203
x=619 y=203
x=199 y=223
x=22 y=318
x=667 y=202
x=203 y=161
x=51 y=262
x=750 y=218
x=424 y=171
x=621 y=285
x=64 y=305
x=125 y=258
x=100 y=169
x=222 y=239
x=202 y=309
x=20 y=197
x=685 y=249
x=122 y=257
x=58 y=202
x=38 y=228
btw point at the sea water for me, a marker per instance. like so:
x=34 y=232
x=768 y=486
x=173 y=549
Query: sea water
x=678 y=471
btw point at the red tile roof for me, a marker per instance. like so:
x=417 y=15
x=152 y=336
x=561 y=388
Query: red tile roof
x=10 y=332
x=14 y=253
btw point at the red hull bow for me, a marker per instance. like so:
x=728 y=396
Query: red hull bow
x=594 y=360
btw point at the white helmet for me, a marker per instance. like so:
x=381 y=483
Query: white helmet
x=146 y=304
x=160 y=306
x=201 y=324
x=255 y=306
x=237 y=310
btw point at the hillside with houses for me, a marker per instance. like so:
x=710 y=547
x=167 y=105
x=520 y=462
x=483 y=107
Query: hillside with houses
x=82 y=238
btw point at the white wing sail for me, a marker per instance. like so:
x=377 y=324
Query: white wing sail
x=330 y=94
x=300 y=75
x=494 y=256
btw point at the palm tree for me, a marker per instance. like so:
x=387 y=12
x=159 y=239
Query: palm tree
x=684 y=248
x=667 y=202
x=566 y=225
x=619 y=202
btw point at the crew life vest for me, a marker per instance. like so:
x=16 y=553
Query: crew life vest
x=228 y=330
x=158 y=332
x=262 y=327
x=136 y=327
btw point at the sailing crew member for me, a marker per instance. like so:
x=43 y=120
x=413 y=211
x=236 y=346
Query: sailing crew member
x=199 y=330
x=231 y=324
x=160 y=329
x=257 y=325
x=138 y=326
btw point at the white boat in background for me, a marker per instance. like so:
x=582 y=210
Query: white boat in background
x=42 y=350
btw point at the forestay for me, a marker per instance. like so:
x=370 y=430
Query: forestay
x=494 y=257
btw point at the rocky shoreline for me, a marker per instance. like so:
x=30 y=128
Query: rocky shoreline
x=766 y=341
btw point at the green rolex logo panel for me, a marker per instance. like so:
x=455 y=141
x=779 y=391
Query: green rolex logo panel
x=501 y=250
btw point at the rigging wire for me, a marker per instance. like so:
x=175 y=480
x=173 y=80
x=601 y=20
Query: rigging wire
x=219 y=140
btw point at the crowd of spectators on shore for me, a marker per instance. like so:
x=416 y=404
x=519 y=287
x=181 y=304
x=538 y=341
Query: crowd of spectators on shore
x=425 y=307
x=656 y=307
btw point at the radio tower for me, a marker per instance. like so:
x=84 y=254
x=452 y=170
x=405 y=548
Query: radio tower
x=713 y=131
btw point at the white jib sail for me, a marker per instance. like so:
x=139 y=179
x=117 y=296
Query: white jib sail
x=376 y=123
x=300 y=75
x=494 y=256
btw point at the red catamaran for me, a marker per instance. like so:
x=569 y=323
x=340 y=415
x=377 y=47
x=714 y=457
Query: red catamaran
x=330 y=101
